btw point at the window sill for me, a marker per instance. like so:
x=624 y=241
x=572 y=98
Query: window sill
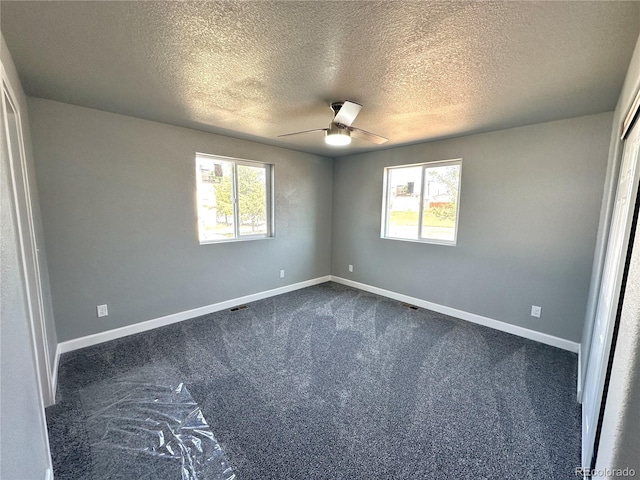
x=242 y=239
x=447 y=243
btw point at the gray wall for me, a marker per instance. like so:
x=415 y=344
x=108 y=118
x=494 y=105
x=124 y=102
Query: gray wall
x=23 y=445
x=119 y=210
x=530 y=199
x=627 y=95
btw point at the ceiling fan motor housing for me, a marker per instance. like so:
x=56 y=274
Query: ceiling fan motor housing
x=337 y=129
x=337 y=135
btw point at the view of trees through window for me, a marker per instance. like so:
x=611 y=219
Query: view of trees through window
x=422 y=201
x=232 y=199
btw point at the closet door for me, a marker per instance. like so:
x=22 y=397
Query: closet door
x=21 y=193
x=609 y=293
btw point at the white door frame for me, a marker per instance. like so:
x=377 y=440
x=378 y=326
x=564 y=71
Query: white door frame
x=608 y=294
x=21 y=193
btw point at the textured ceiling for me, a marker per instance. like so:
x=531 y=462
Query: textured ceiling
x=422 y=70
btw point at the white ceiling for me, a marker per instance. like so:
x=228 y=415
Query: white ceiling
x=422 y=70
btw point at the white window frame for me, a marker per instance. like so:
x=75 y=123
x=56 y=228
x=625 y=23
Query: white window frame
x=270 y=179
x=386 y=206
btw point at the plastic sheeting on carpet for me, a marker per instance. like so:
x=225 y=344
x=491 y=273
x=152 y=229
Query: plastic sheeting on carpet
x=140 y=429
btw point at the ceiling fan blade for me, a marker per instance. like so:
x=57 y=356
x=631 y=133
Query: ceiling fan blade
x=306 y=131
x=364 y=135
x=347 y=113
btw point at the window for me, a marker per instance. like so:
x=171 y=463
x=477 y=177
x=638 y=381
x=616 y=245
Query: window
x=234 y=199
x=421 y=202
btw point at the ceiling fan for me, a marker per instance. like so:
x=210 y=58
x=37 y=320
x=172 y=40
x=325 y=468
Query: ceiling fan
x=340 y=130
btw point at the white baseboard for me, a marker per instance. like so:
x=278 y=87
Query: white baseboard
x=579 y=386
x=471 y=317
x=54 y=373
x=101 y=337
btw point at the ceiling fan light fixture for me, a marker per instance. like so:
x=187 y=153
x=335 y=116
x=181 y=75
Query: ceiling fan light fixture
x=337 y=136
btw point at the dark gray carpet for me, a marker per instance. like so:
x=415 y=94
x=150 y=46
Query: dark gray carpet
x=330 y=382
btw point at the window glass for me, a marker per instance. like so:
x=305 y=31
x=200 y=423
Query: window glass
x=404 y=202
x=440 y=202
x=252 y=195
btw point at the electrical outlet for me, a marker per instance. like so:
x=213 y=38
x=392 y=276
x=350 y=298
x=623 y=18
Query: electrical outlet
x=536 y=311
x=281 y=273
x=351 y=268
x=102 y=311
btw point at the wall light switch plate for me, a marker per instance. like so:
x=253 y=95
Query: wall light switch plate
x=102 y=311
x=351 y=268
x=281 y=273
x=536 y=311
